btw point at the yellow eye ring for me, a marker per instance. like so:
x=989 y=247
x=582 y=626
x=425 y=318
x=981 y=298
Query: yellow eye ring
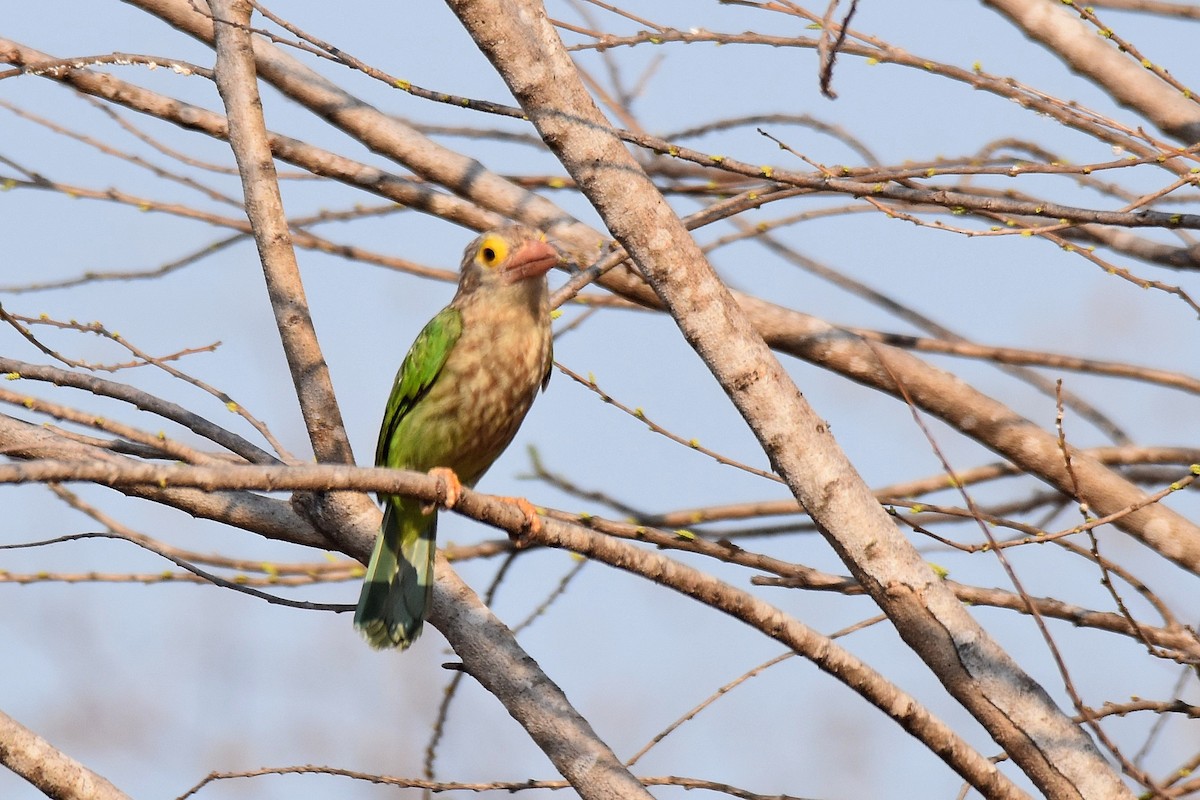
x=492 y=250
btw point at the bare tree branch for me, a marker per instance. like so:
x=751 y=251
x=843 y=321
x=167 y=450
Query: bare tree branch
x=273 y=519
x=525 y=49
x=238 y=85
x=16 y=370
x=52 y=771
x=1130 y=83
x=316 y=160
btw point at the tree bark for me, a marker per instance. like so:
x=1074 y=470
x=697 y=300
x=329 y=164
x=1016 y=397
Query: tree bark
x=52 y=771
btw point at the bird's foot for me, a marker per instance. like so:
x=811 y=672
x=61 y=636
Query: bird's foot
x=449 y=488
x=532 y=526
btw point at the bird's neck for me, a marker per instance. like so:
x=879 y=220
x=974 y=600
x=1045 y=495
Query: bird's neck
x=528 y=297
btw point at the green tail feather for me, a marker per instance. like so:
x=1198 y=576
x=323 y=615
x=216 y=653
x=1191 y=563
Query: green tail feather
x=399 y=579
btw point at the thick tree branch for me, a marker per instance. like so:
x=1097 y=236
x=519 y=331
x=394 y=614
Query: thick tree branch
x=524 y=47
x=274 y=519
x=482 y=642
x=52 y=771
x=16 y=370
x=1081 y=47
x=238 y=85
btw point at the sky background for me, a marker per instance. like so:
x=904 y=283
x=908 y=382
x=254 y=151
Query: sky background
x=154 y=686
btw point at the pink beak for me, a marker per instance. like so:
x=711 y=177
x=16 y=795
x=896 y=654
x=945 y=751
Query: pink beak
x=532 y=260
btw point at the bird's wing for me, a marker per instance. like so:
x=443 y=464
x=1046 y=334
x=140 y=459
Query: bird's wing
x=420 y=369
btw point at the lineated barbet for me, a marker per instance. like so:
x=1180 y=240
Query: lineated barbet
x=458 y=399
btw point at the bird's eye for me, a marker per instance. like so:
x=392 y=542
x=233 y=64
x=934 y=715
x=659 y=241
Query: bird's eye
x=492 y=250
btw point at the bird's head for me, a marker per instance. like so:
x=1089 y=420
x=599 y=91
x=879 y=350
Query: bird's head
x=507 y=257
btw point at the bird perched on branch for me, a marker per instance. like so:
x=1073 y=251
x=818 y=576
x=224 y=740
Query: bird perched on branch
x=458 y=399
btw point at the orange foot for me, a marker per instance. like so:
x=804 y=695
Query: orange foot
x=533 y=523
x=450 y=489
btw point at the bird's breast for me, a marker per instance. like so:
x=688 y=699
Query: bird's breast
x=486 y=387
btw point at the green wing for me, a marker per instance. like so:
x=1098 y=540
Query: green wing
x=399 y=578
x=420 y=369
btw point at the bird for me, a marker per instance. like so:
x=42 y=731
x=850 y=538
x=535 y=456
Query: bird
x=460 y=395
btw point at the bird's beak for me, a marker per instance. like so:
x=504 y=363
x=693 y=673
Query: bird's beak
x=532 y=260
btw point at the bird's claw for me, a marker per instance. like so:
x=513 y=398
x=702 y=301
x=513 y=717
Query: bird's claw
x=449 y=489
x=532 y=526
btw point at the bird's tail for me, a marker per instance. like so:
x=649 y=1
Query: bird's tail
x=399 y=579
